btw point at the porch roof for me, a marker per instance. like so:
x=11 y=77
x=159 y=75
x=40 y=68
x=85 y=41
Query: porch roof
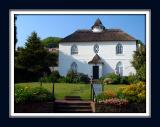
x=96 y=60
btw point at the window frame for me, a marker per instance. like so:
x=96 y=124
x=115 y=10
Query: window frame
x=119 y=68
x=95 y=47
x=74 y=49
x=119 y=49
x=74 y=67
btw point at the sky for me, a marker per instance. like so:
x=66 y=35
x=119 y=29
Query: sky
x=64 y=25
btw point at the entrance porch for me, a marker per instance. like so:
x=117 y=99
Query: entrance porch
x=96 y=69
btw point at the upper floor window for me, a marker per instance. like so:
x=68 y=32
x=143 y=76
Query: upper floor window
x=119 y=49
x=96 y=48
x=74 y=67
x=74 y=49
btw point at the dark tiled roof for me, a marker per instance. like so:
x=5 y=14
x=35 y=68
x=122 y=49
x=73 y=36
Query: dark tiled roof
x=96 y=60
x=105 y=35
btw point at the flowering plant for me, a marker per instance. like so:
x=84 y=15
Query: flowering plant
x=116 y=102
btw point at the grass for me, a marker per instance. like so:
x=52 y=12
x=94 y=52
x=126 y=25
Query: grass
x=66 y=89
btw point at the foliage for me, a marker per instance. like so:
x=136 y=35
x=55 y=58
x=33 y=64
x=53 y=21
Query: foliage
x=24 y=94
x=107 y=81
x=112 y=78
x=124 y=80
x=53 y=77
x=139 y=62
x=115 y=78
x=73 y=77
x=62 y=79
x=101 y=97
x=70 y=76
x=141 y=73
x=106 y=95
x=33 y=59
x=110 y=94
x=116 y=102
x=84 y=78
x=51 y=59
x=51 y=41
x=22 y=74
x=63 y=89
x=135 y=93
x=132 y=79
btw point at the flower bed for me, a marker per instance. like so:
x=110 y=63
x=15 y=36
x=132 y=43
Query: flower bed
x=130 y=108
x=34 y=107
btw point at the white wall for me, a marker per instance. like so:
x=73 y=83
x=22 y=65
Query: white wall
x=107 y=51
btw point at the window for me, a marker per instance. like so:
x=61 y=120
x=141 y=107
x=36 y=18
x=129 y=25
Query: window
x=74 y=67
x=96 y=48
x=74 y=49
x=119 y=68
x=119 y=49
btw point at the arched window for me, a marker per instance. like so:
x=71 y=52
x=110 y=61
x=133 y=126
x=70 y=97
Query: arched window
x=74 y=49
x=119 y=68
x=119 y=49
x=74 y=67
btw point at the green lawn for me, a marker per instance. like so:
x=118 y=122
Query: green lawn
x=64 y=89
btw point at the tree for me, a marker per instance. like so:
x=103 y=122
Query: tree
x=34 y=58
x=51 y=41
x=139 y=61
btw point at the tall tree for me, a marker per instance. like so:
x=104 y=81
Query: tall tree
x=34 y=57
x=139 y=61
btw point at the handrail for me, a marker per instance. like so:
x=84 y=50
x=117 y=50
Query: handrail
x=93 y=93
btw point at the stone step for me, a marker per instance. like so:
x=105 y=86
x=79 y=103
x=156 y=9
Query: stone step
x=75 y=102
x=72 y=106
x=72 y=98
x=73 y=111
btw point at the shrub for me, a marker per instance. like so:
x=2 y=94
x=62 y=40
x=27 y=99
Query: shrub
x=69 y=80
x=53 y=77
x=62 y=79
x=101 y=97
x=110 y=94
x=45 y=79
x=132 y=79
x=135 y=93
x=27 y=94
x=141 y=73
x=124 y=80
x=112 y=78
x=84 y=78
x=71 y=74
x=73 y=77
x=107 y=81
x=106 y=95
x=115 y=78
x=76 y=79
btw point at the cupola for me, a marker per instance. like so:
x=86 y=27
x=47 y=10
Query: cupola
x=98 y=26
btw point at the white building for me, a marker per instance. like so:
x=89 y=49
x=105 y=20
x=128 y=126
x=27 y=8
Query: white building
x=97 y=52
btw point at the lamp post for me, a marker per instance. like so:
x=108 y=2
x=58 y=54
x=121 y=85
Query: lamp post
x=53 y=88
x=91 y=88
